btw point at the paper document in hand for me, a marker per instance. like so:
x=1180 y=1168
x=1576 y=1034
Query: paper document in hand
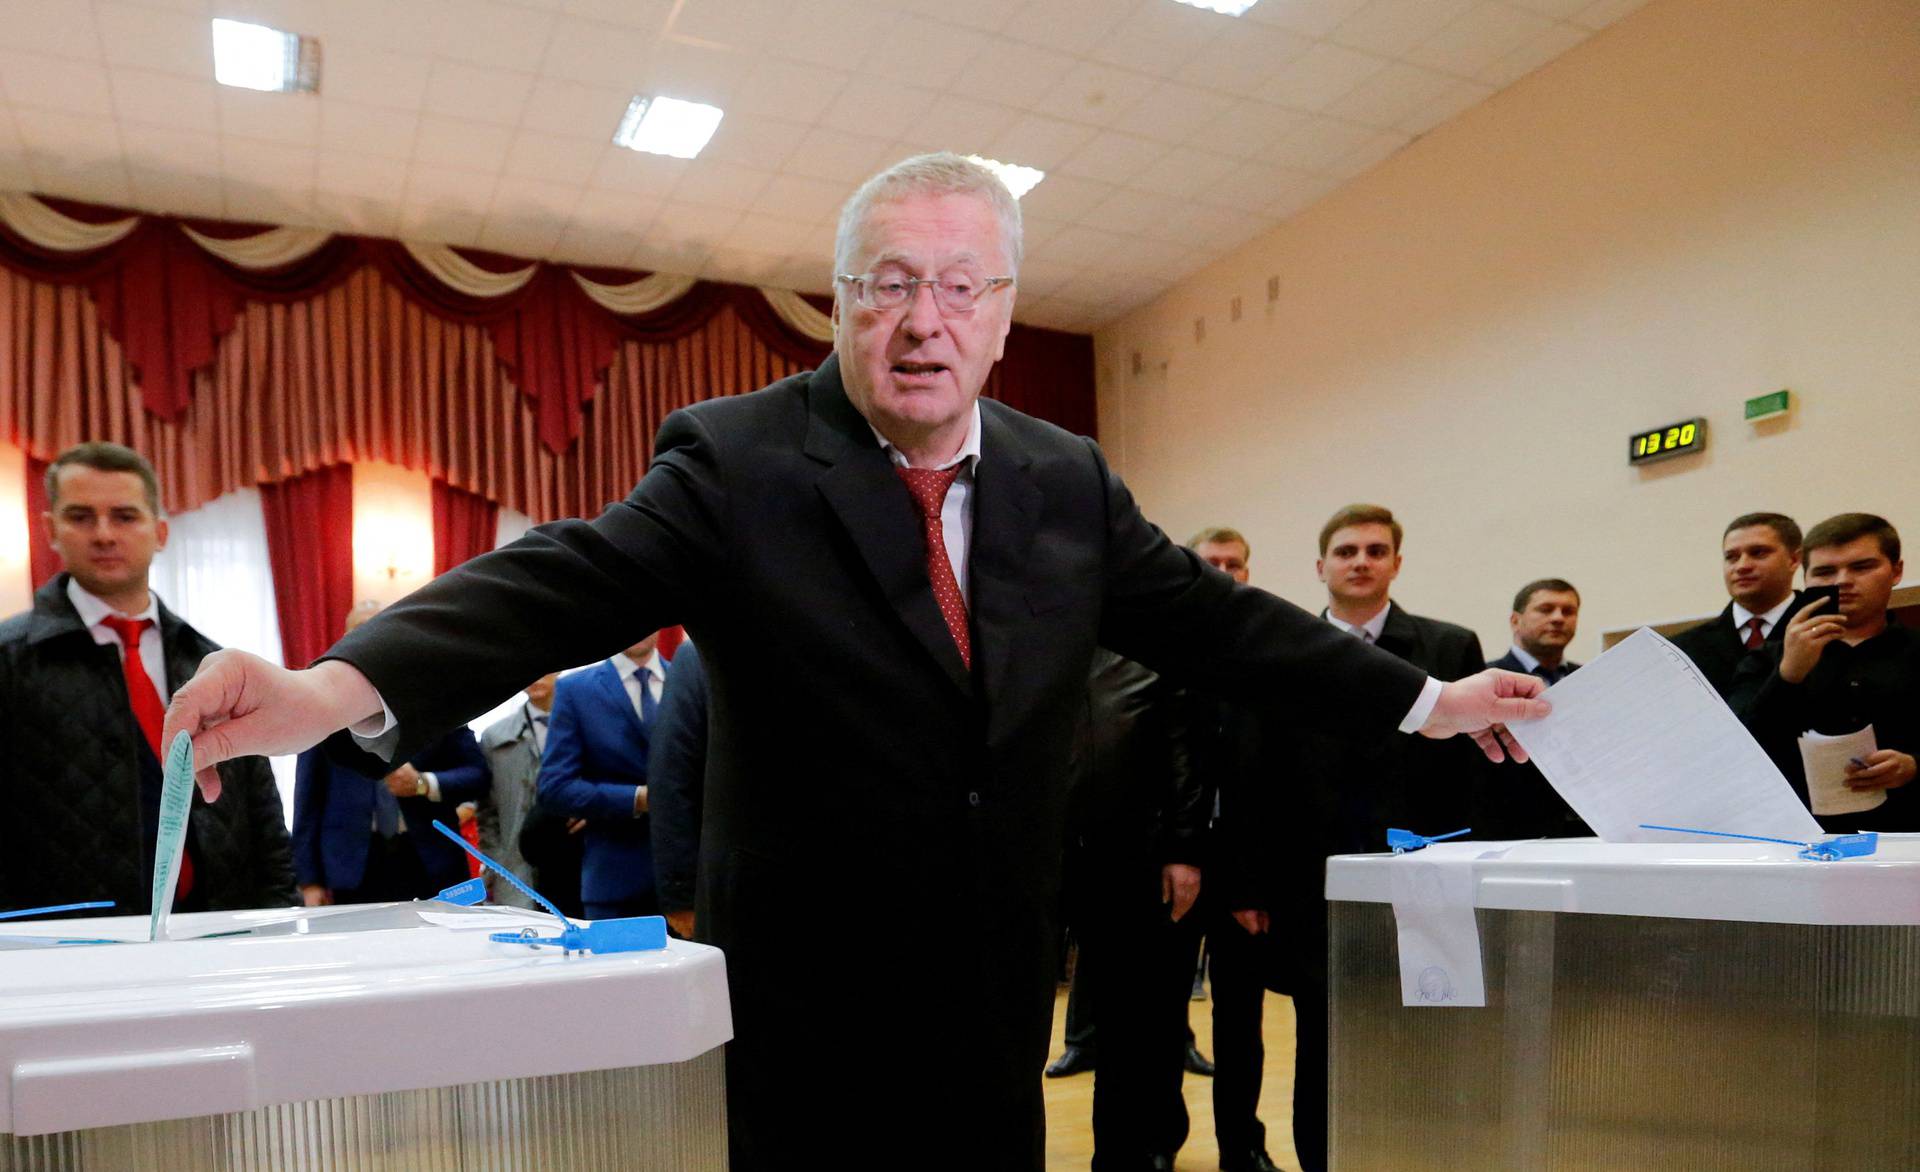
x=1639 y=735
x=1825 y=759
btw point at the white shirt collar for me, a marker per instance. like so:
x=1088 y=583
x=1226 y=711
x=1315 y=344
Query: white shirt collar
x=92 y=608
x=1372 y=626
x=624 y=664
x=969 y=450
x=1742 y=616
x=1527 y=660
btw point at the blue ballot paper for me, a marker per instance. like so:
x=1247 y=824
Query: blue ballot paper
x=176 y=802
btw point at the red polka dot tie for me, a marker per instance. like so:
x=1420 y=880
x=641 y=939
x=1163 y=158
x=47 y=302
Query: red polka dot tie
x=929 y=488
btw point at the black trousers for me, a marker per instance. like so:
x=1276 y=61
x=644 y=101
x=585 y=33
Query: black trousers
x=1289 y=958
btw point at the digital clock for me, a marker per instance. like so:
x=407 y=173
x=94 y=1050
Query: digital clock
x=1675 y=439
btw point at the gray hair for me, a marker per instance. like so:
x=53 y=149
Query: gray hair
x=942 y=173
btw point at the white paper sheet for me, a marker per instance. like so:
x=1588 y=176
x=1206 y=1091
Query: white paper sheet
x=1825 y=759
x=1439 y=940
x=1639 y=735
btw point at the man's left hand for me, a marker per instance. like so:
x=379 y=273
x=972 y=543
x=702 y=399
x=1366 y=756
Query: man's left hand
x=1480 y=706
x=404 y=782
x=1179 y=887
x=1884 y=769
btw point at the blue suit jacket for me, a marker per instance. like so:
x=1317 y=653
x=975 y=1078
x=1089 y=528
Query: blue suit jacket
x=333 y=808
x=596 y=758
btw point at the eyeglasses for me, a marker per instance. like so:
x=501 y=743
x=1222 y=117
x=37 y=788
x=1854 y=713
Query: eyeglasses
x=953 y=294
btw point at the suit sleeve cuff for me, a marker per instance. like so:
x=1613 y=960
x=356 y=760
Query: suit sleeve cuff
x=433 y=785
x=378 y=735
x=1422 y=707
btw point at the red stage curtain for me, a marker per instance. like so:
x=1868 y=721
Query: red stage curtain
x=1048 y=374
x=310 y=545
x=464 y=526
x=42 y=562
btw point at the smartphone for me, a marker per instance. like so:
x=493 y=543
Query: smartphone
x=1830 y=593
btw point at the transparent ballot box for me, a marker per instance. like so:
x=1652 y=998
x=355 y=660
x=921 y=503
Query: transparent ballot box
x=371 y=1037
x=1642 y=1006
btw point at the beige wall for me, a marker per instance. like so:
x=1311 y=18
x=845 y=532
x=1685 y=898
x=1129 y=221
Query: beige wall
x=1705 y=202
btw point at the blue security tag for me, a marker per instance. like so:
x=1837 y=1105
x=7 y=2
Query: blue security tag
x=465 y=894
x=176 y=802
x=25 y=912
x=1402 y=841
x=634 y=934
x=1845 y=846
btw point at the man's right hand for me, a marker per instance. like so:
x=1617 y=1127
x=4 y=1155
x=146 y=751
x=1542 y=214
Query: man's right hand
x=239 y=705
x=1808 y=634
x=314 y=895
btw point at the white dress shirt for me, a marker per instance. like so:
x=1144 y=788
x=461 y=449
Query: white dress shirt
x=93 y=609
x=632 y=674
x=1742 y=616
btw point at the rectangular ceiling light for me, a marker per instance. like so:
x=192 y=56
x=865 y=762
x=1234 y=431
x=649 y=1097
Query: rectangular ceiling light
x=668 y=126
x=1018 y=179
x=255 y=57
x=1224 y=7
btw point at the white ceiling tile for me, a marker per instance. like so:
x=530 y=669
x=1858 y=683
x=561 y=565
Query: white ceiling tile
x=796 y=197
x=668 y=255
x=698 y=73
x=686 y=223
x=534 y=155
x=365 y=176
x=593 y=53
x=1544 y=48
x=187 y=154
x=1158 y=39
x=1364 y=156
x=1131 y=211
x=961 y=124
x=721 y=186
x=371 y=130
x=1461 y=96
x=165 y=99
x=1248 y=129
x=374 y=22
x=103 y=181
x=153 y=38
x=789 y=90
x=1296 y=195
x=753 y=140
x=1478 y=38
x=647 y=15
x=53 y=83
x=175 y=194
x=616 y=212
x=1242 y=62
x=1081 y=245
x=1015 y=74
x=1184 y=172
x=838 y=156
x=1319 y=144
x=929 y=52
x=56 y=133
x=1035 y=231
x=1320 y=77
x=434 y=185
x=1039 y=141
x=872 y=106
x=485 y=32
x=638 y=173
x=836 y=33
x=1042 y=278
x=362 y=214
x=266 y=164
x=1073 y=27
x=1553 y=9
x=1095 y=94
x=1114 y=157
x=1391 y=27
x=1602 y=13
x=441 y=223
x=588 y=244
x=1175 y=113
x=571 y=108
x=293 y=16
x=1194 y=227
x=1064 y=197
x=461 y=143
x=775 y=236
x=375 y=77
x=37 y=26
x=293 y=119
x=1391 y=96
x=746 y=25
x=1250 y=187
x=266 y=203
x=516 y=198
x=1312 y=18
x=739 y=266
x=478 y=93
x=986 y=15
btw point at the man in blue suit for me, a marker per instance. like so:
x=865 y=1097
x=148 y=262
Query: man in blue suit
x=596 y=768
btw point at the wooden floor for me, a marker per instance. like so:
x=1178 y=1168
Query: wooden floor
x=1070 y=1100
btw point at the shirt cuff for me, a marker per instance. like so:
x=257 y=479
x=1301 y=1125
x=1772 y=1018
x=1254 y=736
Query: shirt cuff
x=378 y=735
x=1422 y=707
x=433 y=786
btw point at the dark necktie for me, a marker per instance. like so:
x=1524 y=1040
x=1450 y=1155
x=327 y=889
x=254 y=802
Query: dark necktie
x=929 y=488
x=148 y=712
x=648 y=705
x=1755 y=640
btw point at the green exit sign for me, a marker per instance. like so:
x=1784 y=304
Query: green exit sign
x=1768 y=406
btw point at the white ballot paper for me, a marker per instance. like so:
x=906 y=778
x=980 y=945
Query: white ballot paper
x=1639 y=735
x=1825 y=759
x=1439 y=941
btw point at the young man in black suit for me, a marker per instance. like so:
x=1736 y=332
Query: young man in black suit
x=1519 y=802
x=897 y=588
x=1759 y=553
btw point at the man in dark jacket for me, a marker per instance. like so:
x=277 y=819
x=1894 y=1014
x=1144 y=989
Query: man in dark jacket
x=676 y=775
x=1737 y=649
x=1520 y=802
x=84 y=679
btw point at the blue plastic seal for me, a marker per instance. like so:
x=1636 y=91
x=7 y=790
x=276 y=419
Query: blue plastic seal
x=466 y=894
x=1402 y=841
x=633 y=934
x=25 y=912
x=1845 y=846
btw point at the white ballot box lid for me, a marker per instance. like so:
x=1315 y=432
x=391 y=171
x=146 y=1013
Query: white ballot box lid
x=1747 y=881
x=324 y=1003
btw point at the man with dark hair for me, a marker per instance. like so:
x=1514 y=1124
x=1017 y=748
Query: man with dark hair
x=1520 y=802
x=1546 y=614
x=84 y=680
x=1735 y=650
x=1274 y=839
x=1845 y=669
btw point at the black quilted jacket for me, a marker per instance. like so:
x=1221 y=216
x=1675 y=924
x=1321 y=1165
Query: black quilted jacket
x=70 y=821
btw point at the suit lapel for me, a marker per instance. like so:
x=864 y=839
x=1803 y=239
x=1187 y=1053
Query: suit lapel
x=1006 y=515
x=874 y=508
x=616 y=695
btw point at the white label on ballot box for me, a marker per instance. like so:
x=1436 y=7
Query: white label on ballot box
x=1439 y=940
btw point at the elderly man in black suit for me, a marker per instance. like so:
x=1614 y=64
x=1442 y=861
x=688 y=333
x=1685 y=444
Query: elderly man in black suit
x=1736 y=650
x=897 y=589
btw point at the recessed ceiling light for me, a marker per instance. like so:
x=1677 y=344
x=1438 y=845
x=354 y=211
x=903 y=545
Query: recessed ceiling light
x=255 y=57
x=1018 y=179
x=668 y=126
x=1224 y=7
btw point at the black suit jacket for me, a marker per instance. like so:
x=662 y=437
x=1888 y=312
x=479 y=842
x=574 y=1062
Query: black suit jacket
x=862 y=784
x=1719 y=650
x=1515 y=801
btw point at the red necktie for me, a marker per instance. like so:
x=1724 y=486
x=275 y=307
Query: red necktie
x=929 y=488
x=147 y=710
x=1755 y=640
